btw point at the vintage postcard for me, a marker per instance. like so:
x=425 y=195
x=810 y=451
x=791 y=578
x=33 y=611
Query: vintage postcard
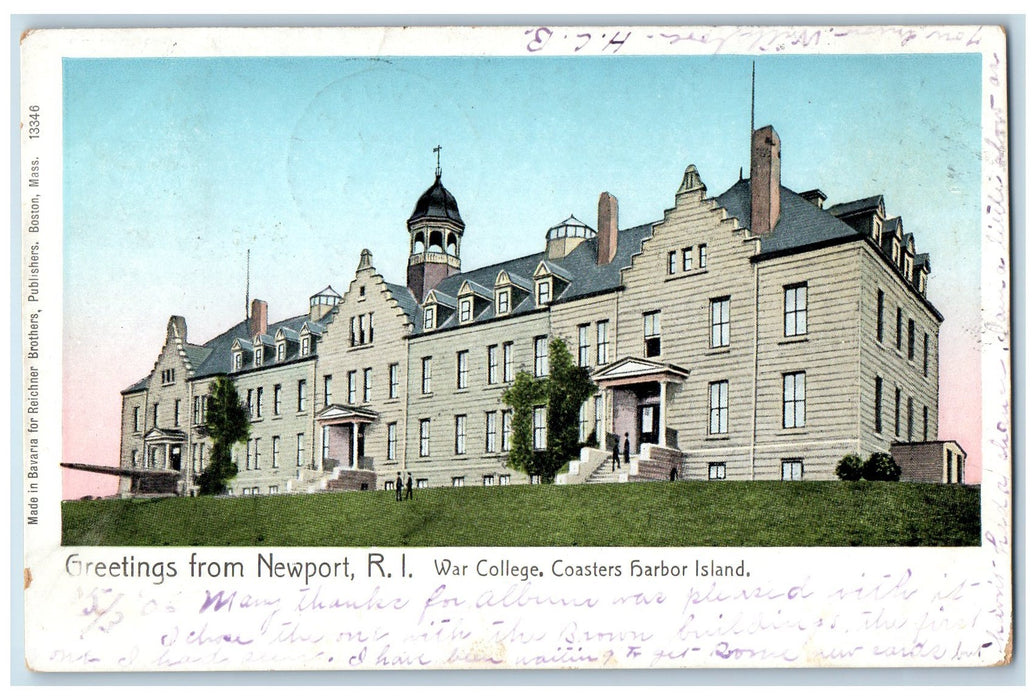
x=530 y=347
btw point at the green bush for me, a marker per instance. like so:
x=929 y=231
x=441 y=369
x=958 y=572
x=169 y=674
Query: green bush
x=850 y=467
x=881 y=467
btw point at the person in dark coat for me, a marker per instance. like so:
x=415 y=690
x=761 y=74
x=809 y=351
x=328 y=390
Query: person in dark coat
x=409 y=486
x=626 y=449
x=615 y=456
x=672 y=474
x=399 y=486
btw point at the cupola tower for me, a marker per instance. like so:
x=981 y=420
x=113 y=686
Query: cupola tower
x=435 y=230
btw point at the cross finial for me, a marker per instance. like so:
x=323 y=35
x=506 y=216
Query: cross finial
x=438 y=170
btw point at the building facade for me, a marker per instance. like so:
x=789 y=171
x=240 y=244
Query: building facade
x=752 y=335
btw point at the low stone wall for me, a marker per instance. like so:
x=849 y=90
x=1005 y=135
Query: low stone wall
x=656 y=464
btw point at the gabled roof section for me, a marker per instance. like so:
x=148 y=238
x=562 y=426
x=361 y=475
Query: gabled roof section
x=287 y=334
x=196 y=355
x=475 y=288
x=511 y=279
x=547 y=268
x=437 y=297
x=801 y=224
x=313 y=328
x=241 y=344
x=857 y=206
x=406 y=301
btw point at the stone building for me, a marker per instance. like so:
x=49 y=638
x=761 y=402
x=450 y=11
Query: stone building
x=756 y=334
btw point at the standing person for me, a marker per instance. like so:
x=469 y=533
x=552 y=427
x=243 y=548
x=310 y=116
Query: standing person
x=626 y=449
x=672 y=474
x=409 y=486
x=399 y=486
x=615 y=455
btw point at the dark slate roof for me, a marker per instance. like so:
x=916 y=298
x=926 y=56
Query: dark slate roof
x=405 y=298
x=801 y=224
x=856 y=206
x=479 y=290
x=921 y=259
x=557 y=270
x=437 y=203
x=580 y=266
x=196 y=354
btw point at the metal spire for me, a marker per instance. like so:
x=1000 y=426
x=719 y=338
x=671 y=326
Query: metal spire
x=438 y=170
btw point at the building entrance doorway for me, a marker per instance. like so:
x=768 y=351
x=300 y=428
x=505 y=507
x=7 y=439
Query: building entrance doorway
x=647 y=424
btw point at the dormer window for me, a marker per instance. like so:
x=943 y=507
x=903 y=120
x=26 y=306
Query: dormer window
x=465 y=310
x=239 y=358
x=429 y=317
x=503 y=301
x=543 y=292
x=259 y=356
x=282 y=351
x=305 y=345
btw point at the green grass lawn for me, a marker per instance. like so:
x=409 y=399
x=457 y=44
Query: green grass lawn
x=682 y=514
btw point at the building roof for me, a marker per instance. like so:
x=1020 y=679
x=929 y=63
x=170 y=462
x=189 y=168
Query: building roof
x=580 y=267
x=405 y=298
x=801 y=224
x=436 y=203
x=856 y=206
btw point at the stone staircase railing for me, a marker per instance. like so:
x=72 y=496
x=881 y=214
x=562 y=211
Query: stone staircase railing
x=579 y=470
x=655 y=463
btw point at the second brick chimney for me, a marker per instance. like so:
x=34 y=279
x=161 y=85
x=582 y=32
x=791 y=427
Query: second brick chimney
x=607 y=228
x=766 y=180
x=257 y=319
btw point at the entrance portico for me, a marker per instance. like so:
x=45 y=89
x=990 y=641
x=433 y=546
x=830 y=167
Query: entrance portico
x=342 y=436
x=640 y=395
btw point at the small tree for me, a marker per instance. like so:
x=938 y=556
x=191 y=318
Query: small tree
x=850 y=467
x=881 y=467
x=227 y=423
x=521 y=396
x=568 y=387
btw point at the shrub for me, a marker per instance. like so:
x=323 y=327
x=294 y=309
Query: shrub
x=850 y=467
x=881 y=467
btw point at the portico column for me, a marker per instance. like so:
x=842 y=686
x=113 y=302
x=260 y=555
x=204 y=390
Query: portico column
x=168 y=445
x=662 y=386
x=356 y=445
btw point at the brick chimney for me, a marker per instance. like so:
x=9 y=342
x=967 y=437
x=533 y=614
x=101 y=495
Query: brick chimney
x=257 y=319
x=765 y=180
x=607 y=228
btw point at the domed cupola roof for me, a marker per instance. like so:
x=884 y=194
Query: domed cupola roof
x=436 y=203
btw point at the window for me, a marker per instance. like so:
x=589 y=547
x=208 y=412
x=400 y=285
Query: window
x=282 y=351
x=196 y=410
x=350 y=383
x=688 y=259
x=910 y=339
x=176 y=412
x=602 y=342
x=135 y=458
x=492 y=371
x=503 y=301
x=504 y=480
x=276 y=448
x=795 y=400
x=505 y=427
x=583 y=357
x=426 y=375
x=671 y=263
x=490 y=431
x=718 y=408
x=791 y=470
x=898 y=398
x=248 y=454
x=325 y=443
x=422 y=483
x=899 y=328
x=462 y=369
x=652 y=334
x=368 y=384
x=204 y=407
x=457 y=481
x=542 y=293
x=881 y=316
x=259 y=402
x=599 y=417
x=717 y=470
x=168 y=376
x=584 y=422
x=719 y=317
x=429 y=317
x=276 y=399
x=877 y=404
x=258 y=360
x=300 y=449
x=539 y=348
x=255 y=464
x=702 y=256
x=924 y=423
x=136 y=419
x=910 y=419
x=539 y=428
x=300 y=403
x=249 y=404
x=273 y=490
x=154 y=415
x=305 y=345
x=465 y=310
x=327 y=389
x=925 y=355
x=460 y=424
x=425 y=429
x=393 y=372
x=390 y=453
x=508 y=362
x=795 y=310
x=488 y=480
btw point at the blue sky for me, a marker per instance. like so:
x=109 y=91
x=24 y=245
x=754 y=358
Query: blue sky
x=174 y=167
